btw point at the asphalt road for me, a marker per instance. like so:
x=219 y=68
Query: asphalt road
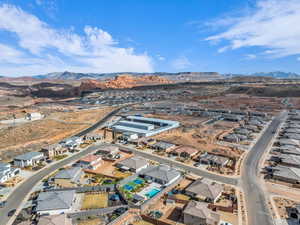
x=18 y=195
x=256 y=202
x=195 y=170
x=99 y=123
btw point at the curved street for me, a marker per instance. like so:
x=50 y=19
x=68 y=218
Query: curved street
x=256 y=203
x=16 y=198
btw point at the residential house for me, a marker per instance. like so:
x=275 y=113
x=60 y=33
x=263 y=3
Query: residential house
x=134 y=164
x=198 y=213
x=205 y=189
x=242 y=131
x=185 y=151
x=231 y=138
x=7 y=172
x=55 y=202
x=286 y=174
x=287 y=150
x=68 y=177
x=93 y=137
x=213 y=160
x=288 y=142
x=294 y=212
x=232 y=118
x=53 y=150
x=293 y=130
x=286 y=160
x=34 y=116
x=90 y=161
x=161 y=174
x=238 y=113
x=28 y=159
x=163 y=146
x=234 y=137
x=255 y=122
x=292 y=136
x=253 y=128
x=72 y=142
x=108 y=151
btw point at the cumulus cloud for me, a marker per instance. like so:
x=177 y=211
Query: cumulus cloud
x=271 y=24
x=41 y=46
x=181 y=63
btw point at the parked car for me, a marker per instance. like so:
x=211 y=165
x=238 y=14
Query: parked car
x=197 y=164
x=11 y=212
x=2 y=204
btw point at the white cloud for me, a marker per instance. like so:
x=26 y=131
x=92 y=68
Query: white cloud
x=56 y=50
x=272 y=24
x=250 y=56
x=160 y=58
x=181 y=63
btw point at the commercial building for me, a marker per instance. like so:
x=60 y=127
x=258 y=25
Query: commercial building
x=144 y=127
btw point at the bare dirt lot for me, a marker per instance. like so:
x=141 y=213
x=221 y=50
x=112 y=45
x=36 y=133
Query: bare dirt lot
x=31 y=136
x=270 y=105
x=203 y=137
x=282 y=204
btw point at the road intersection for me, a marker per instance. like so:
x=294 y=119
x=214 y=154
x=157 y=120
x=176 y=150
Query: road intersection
x=256 y=202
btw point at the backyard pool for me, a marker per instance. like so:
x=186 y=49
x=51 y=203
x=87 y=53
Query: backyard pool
x=138 y=181
x=152 y=193
x=128 y=187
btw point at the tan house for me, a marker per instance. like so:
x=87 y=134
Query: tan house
x=185 y=151
x=53 y=150
x=91 y=162
x=199 y=213
x=205 y=189
x=68 y=177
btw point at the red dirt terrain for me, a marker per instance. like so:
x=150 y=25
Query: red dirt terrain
x=123 y=81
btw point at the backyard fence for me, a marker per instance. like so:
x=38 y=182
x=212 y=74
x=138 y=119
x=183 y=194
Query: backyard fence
x=97 y=188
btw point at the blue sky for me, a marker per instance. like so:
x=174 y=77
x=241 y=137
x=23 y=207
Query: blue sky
x=226 y=36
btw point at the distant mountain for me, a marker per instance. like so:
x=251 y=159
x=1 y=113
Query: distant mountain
x=275 y=74
x=182 y=76
x=278 y=74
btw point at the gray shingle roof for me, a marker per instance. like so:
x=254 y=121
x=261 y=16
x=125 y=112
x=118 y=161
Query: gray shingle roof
x=206 y=188
x=54 y=200
x=134 y=162
x=288 y=172
x=72 y=174
x=29 y=155
x=201 y=210
x=161 y=172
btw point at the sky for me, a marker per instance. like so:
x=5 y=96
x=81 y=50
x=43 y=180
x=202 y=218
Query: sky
x=99 y=36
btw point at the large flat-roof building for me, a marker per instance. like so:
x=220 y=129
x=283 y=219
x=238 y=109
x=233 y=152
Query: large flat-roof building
x=143 y=126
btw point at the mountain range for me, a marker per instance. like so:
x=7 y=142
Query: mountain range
x=182 y=76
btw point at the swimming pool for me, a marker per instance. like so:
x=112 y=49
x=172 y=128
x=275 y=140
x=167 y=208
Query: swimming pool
x=128 y=187
x=138 y=181
x=152 y=193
